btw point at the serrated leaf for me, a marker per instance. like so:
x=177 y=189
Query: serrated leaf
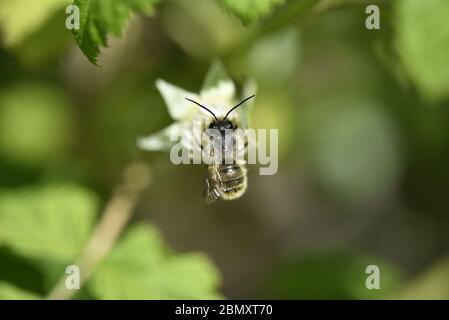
x=142 y=267
x=422 y=40
x=47 y=222
x=20 y=18
x=99 y=17
x=9 y=291
x=250 y=10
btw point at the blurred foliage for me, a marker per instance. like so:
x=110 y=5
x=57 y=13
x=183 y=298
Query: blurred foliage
x=18 y=19
x=423 y=44
x=343 y=141
x=216 y=73
x=250 y=10
x=35 y=123
x=153 y=271
x=286 y=44
x=47 y=222
x=51 y=224
x=363 y=146
x=11 y=292
x=330 y=275
x=433 y=284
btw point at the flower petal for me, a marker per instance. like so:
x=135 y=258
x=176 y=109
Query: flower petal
x=174 y=97
x=160 y=141
x=221 y=97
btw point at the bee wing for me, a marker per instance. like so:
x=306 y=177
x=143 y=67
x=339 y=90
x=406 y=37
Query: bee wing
x=212 y=185
x=210 y=193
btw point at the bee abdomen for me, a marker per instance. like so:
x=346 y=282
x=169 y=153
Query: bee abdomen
x=233 y=181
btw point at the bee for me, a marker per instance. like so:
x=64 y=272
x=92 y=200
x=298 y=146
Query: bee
x=225 y=179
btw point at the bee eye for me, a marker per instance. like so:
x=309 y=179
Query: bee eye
x=228 y=125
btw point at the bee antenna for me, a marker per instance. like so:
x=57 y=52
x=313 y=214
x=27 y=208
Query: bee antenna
x=227 y=114
x=200 y=105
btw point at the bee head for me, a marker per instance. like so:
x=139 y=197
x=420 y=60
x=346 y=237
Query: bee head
x=222 y=125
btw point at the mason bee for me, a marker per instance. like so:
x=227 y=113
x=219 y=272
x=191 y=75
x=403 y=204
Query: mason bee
x=225 y=179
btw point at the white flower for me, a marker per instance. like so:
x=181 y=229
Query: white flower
x=218 y=99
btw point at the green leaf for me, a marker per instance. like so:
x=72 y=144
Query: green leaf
x=20 y=18
x=142 y=267
x=422 y=40
x=250 y=10
x=47 y=222
x=99 y=17
x=11 y=292
x=216 y=73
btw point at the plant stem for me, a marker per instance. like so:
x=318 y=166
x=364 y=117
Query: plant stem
x=116 y=215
